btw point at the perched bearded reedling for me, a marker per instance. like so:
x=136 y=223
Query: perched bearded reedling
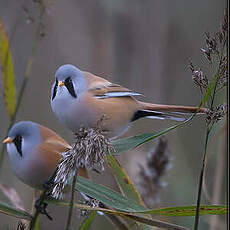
x=34 y=152
x=81 y=99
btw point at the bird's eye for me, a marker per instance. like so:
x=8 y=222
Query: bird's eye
x=69 y=85
x=55 y=89
x=68 y=80
x=18 y=143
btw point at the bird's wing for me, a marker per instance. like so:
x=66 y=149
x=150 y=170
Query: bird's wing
x=101 y=88
x=56 y=145
x=52 y=146
x=52 y=142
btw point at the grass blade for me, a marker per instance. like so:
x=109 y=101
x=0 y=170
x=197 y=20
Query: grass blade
x=8 y=76
x=140 y=219
x=124 y=182
x=15 y=212
x=115 y=200
x=126 y=144
x=108 y=196
x=189 y=210
x=87 y=223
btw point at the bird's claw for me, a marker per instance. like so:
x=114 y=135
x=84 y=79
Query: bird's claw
x=41 y=208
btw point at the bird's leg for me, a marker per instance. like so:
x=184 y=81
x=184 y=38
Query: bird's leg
x=41 y=206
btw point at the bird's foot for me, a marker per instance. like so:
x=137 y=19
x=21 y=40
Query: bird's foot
x=41 y=208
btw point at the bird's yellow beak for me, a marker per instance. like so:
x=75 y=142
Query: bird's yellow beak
x=7 y=140
x=61 y=83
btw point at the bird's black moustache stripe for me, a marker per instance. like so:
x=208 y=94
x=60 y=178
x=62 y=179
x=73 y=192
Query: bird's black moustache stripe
x=55 y=89
x=69 y=85
x=18 y=143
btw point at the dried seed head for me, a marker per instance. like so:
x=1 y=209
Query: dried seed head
x=207 y=54
x=199 y=78
x=149 y=180
x=216 y=114
x=223 y=71
x=211 y=43
x=224 y=24
x=88 y=150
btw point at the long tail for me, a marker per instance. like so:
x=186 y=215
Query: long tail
x=171 y=108
x=172 y=112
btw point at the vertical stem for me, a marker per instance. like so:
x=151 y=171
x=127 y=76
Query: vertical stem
x=71 y=203
x=218 y=179
x=201 y=181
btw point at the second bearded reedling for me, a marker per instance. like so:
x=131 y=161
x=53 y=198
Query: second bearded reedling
x=35 y=151
x=82 y=99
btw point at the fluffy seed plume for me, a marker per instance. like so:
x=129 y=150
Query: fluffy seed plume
x=88 y=150
x=149 y=180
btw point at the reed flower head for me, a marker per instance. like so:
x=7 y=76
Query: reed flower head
x=88 y=150
x=149 y=180
x=216 y=114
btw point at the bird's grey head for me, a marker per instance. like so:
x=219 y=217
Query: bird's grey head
x=69 y=82
x=25 y=136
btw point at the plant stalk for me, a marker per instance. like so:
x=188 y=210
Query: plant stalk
x=71 y=203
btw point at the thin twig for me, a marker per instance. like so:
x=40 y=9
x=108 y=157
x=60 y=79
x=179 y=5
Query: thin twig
x=71 y=203
x=26 y=76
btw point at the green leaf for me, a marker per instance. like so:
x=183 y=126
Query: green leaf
x=11 y=211
x=115 y=200
x=210 y=89
x=190 y=210
x=140 y=219
x=124 y=182
x=107 y=196
x=126 y=144
x=7 y=68
x=87 y=223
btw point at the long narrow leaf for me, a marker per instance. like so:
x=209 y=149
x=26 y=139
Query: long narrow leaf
x=210 y=90
x=180 y=211
x=190 y=210
x=87 y=223
x=140 y=219
x=126 y=144
x=124 y=182
x=11 y=211
x=126 y=185
x=115 y=200
x=7 y=69
x=107 y=196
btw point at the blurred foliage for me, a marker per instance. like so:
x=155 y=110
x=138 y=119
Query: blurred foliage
x=7 y=68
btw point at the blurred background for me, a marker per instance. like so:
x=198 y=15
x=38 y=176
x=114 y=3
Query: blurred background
x=143 y=45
